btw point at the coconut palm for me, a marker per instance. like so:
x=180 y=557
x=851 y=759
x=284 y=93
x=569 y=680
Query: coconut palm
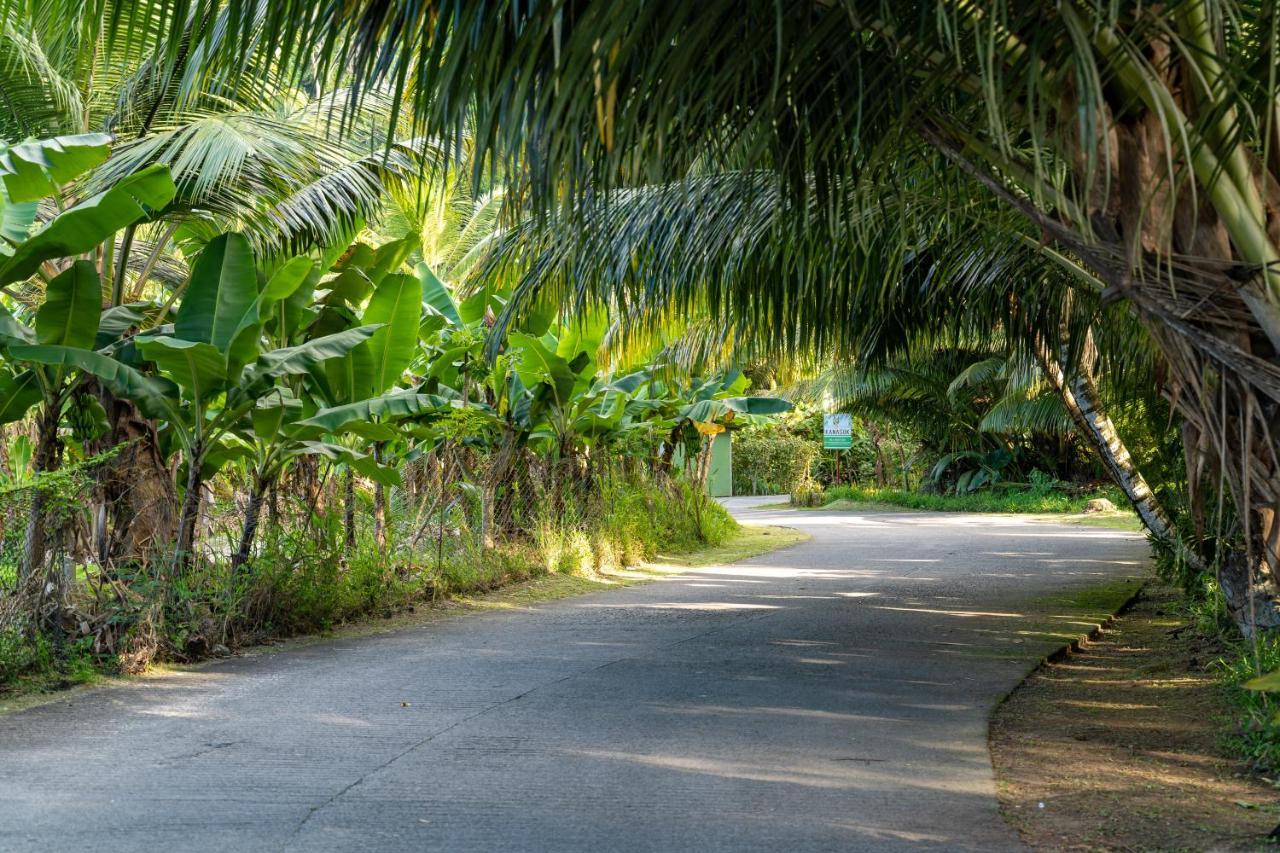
x=1136 y=145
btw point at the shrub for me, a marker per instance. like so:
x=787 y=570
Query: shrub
x=1255 y=734
x=771 y=461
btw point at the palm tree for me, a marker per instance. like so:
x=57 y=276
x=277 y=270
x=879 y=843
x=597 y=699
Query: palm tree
x=1136 y=145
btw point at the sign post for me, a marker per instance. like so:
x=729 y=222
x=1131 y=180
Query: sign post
x=837 y=432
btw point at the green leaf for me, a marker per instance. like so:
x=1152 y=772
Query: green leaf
x=18 y=394
x=1269 y=683
x=16 y=220
x=758 y=405
x=114 y=322
x=538 y=364
x=629 y=383
x=153 y=396
x=302 y=358
x=436 y=296
x=33 y=170
x=399 y=404
x=222 y=290
x=397 y=305
x=72 y=307
x=284 y=281
x=200 y=369
x=80 y=229
x=583 y=335
x=471 y=309
x=11 y=331
x=273 y=412
x=361 y=462
x=390 y=257
x=348 y=287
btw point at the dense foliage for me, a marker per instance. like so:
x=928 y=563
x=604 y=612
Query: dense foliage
x=1031 y=237
x=340 y=390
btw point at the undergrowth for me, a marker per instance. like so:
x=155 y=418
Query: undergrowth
x=1254 y=730
x=307 y=581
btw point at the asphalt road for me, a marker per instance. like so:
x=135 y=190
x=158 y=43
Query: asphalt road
x=830 y=696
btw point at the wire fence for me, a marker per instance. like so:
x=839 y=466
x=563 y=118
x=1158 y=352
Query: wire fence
x=45 y=534
x=80 y=561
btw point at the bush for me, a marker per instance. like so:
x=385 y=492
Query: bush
x=303 y=578
x=1255 y=735
x=636 y=518
x=771 y=461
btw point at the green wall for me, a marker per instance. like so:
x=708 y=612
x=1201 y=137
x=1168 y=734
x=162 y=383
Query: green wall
x=720 y=473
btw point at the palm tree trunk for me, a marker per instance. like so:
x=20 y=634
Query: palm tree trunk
x=137 y=501
x=1079 y=397
x=1248 y=598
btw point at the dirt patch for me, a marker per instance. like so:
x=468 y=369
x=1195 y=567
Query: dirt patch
x=1117 y=747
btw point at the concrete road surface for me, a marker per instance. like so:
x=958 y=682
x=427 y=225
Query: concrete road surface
x=830 y=696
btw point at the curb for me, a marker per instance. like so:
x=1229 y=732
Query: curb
x=1077 y=644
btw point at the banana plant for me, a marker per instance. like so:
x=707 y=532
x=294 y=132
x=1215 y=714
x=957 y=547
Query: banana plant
x=275 y=437
x=364 y=379
x=211 y=363
x=70 y=316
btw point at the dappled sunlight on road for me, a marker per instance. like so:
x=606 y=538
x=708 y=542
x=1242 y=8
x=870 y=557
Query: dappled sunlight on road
x=834 y=691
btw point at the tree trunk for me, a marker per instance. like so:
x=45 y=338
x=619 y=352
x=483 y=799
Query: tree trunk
x=1079 y=396
x=873 y=432
x=190 y=513
x=379 y=507
x=349 y=509
x=47 y=458
x=135 y=489
x=257 y=496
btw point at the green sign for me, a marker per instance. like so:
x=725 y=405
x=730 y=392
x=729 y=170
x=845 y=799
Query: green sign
x=837 y=432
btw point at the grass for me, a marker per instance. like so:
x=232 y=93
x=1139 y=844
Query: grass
x=742 y=543
x=749 y=541
x=1063 y=508
x=1002 y=500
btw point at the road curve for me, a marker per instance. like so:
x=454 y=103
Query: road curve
x=830 y=696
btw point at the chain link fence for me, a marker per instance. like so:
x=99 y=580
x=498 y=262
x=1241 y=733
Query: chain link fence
x=45 y=534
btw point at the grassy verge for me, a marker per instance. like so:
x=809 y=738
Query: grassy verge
x=47 y=682
x=1057 y=507
x=1119 y=745
x=1002 y=500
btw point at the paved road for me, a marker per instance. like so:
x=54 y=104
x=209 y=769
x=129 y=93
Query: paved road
x=830 y=696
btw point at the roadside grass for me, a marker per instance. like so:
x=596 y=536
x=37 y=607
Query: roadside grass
x=1053 y=506
x=55 y=681
x=748 y=541
x=1033 y=501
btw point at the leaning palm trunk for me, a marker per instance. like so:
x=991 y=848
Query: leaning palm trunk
x=1079 y=395
x=1176 y=212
